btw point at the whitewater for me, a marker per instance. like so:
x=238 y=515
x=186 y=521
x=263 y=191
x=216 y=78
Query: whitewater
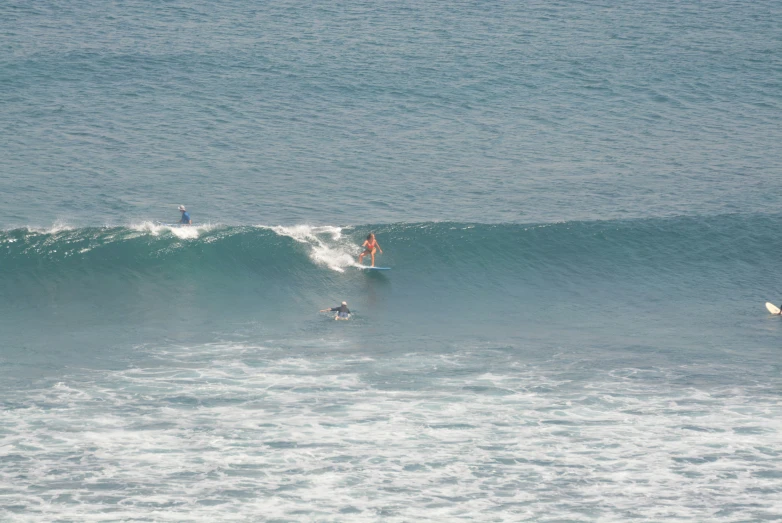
x=579 y=202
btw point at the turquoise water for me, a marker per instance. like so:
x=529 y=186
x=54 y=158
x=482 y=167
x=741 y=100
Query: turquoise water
x=580 y=203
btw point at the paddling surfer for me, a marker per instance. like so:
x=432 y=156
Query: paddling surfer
x=343 y=313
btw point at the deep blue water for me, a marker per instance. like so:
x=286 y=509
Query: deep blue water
x=580 y=203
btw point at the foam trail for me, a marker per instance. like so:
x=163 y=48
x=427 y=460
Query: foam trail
x=327 y=245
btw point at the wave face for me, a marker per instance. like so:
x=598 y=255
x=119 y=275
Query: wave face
x=575 y=251
x=505 y=278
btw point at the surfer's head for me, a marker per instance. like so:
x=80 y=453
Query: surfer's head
x=182 y=208
x=370 y=235
x=344 y=303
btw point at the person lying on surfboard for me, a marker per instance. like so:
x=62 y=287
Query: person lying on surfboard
x=371 y=246
x=343 y=313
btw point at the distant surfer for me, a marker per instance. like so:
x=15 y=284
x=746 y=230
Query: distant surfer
x=185 y=216
x=343 y=313
x=370 y=247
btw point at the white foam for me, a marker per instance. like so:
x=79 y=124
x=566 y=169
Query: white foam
x=57 y=227
x=243 y=432
x=190 y=232
x=326 y=244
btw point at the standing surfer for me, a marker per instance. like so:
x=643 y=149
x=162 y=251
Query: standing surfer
x=371 y=246
x=185 y=216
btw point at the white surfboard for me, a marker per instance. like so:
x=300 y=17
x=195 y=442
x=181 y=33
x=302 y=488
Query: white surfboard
x=773 y=309
x=368 y=268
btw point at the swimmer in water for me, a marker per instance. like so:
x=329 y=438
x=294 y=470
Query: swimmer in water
x=343 y=313
x=371 y=246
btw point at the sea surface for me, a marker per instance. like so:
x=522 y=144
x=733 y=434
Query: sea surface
x=581 y=203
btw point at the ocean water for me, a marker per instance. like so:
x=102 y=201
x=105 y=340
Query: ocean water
x=580 y=202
